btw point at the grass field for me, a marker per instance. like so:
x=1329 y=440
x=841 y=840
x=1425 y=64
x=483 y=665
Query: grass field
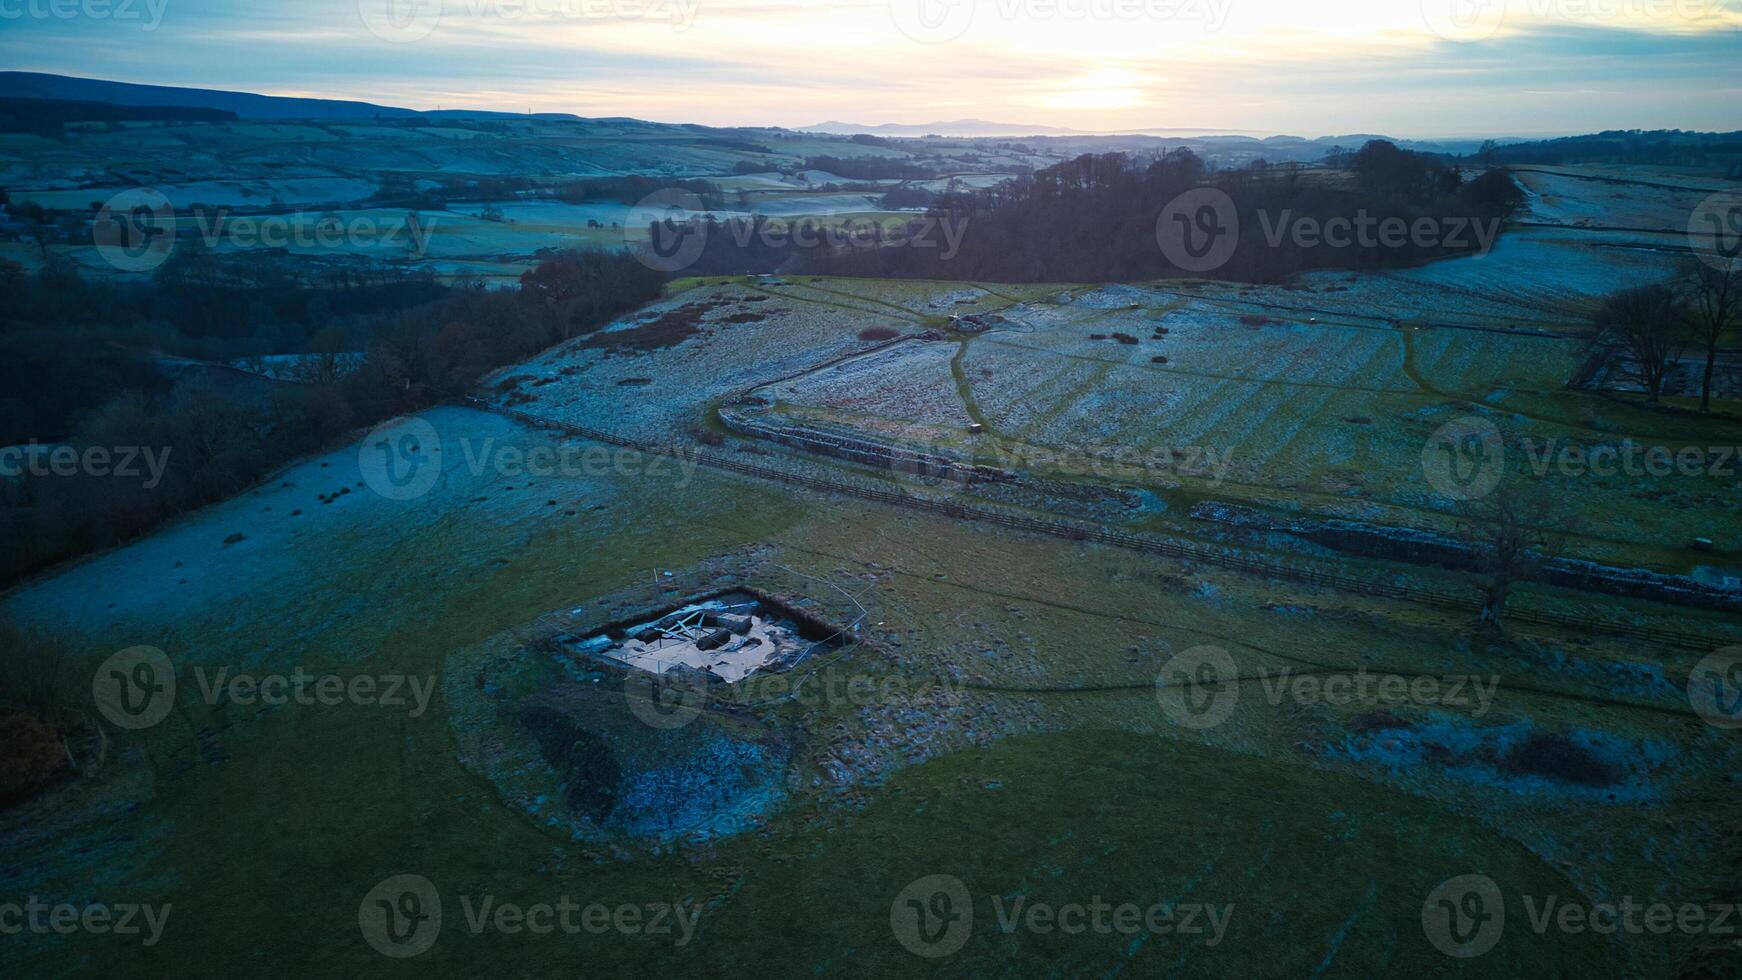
x=1325 y=412
x=1310 y=828
x=1007 y=712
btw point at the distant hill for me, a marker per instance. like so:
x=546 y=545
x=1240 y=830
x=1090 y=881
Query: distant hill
x=959 y=127
x=35 y=85
x=490 y=114
x=1206 y=141
x=1672 y=147
x=980 y=128
x=18 y=85
x=47 y=116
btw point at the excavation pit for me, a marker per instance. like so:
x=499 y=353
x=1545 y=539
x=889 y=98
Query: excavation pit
x=720 y=639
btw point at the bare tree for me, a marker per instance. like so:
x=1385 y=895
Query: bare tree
x=1714 y=308
x=1515 y=530
x=1648 y=323
x=325 y=355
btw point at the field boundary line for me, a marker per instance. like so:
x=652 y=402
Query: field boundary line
x=1464 y=601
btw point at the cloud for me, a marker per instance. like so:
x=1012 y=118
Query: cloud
x=1362 y=65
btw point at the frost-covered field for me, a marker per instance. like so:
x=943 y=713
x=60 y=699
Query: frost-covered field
x=1600 y=199
x=1318 y=395
x=316 y=522
x=658 y=392
x=1052 y=645
x=906 y=388
x=341 y=167
x=1321 y=394
x=219 y=193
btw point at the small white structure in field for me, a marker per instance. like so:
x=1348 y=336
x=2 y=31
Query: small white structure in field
x=731 y=641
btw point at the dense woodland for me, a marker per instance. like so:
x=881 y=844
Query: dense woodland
x=98 y=363
x=1094 y=219
x=1669 y=147
x=50 y=117
x=105 y=363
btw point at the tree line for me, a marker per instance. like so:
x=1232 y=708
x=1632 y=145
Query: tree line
x=1654 y=327
x=85 y=366
x=1094 y=219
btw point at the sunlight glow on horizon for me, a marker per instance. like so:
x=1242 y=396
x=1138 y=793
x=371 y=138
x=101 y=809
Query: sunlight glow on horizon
x=1260 y=65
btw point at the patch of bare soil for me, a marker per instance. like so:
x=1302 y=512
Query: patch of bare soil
x=671 y=328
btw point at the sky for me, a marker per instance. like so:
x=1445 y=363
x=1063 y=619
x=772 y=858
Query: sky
x=1405 y=68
